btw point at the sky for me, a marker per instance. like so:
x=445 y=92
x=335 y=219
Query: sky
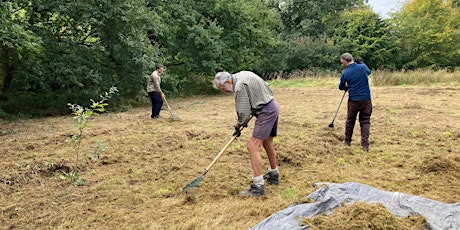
x=383 y=7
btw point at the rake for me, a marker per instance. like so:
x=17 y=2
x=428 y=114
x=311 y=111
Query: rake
x=196 y=183
x=331 y=125
x=172 y=116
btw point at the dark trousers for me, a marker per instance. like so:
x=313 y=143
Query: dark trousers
x=157 y=103
x=364 y=109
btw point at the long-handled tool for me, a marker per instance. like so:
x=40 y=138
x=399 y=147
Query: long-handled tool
x=331 y=125
x=195 y=183
x=172 y=116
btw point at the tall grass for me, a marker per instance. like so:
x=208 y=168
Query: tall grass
x=377 y=78
x=415 y=77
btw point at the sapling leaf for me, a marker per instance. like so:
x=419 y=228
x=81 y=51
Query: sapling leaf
x=82 y=116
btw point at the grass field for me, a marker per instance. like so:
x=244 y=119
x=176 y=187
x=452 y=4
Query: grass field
x=137 y=182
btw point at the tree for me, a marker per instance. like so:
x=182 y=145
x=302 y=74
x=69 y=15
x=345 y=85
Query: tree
x=80 y=48
x=429 y=31
x=305 y=32
x=202 y=37
x=361 y=32
x=310 y=17
x=187 y=36
x=17 y=42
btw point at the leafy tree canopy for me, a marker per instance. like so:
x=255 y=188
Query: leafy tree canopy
x=429 y=31
x=310 y=17
x=59 y=52
x=362 y=33
x=202 y=37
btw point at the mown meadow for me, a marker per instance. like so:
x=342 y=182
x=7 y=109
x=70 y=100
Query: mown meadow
x=131 y=169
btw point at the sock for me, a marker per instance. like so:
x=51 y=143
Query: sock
x=273 y=171
x=258 y=180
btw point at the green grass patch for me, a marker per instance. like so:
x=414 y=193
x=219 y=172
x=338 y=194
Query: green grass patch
x=290 y=193
x=305 y=82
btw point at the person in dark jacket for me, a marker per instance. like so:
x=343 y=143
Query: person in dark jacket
x=355 y=79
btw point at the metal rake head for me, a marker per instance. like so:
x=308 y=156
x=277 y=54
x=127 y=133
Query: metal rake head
x=193 y=185
x=173 y=117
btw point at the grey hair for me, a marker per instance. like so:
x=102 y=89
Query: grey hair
x=157 y=66
x=347 y=57
x=220 y=79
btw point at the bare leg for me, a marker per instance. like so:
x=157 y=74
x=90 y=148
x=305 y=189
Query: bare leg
x=256 y=160
x=271 y=153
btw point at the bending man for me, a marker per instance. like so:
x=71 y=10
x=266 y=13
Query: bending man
x=253 y=96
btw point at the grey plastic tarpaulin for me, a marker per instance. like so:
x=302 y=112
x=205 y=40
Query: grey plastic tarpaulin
x=331 y=195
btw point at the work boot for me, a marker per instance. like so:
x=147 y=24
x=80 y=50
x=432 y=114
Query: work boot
x=254 y=190
x=272 y=178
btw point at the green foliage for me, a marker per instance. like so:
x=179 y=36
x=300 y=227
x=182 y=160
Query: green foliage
x=304 y=53
x=82 y=117
x=274 y=60
x=197 y=85
x=362 y=33
x=53 y=52
x=307 y=43
x=22 y=104
x=74 y=178
x=84 y=46
x=312 y=18
x=3 y=115
x=308 y=52
x=174 y=86
x=201 y=38
x=17 y=42
x=340 y=161
x=248 y=32
x=98 y=148
x=430 y=34
x=186 y=37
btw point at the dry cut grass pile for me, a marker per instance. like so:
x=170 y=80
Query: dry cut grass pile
x=137 y=182
x=362 y=216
